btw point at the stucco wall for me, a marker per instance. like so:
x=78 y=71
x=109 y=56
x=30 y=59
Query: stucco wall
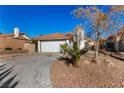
x=12 y=43
x=122 y=46
x=30 y=47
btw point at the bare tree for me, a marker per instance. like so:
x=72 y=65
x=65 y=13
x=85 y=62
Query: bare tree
x=99 y=20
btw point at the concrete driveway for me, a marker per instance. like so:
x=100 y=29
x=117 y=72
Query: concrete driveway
x=27 y=70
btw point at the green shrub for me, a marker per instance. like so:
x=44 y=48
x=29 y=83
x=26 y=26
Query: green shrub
x=8 y=48
x=33 y=41
x=73 y=52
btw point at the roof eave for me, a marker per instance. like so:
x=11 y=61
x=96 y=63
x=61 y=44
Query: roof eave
x=52 y=39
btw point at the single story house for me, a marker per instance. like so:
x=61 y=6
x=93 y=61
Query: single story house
x=115 y=42
x=52 y=42
x=119 y=41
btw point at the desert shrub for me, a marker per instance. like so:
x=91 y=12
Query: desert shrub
x=63 y=48
x=8 y=48
x=72 y=52
x=33 y=41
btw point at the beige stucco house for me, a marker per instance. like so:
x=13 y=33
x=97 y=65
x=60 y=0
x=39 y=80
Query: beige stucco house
x=116 y=41
x=52 y=42
x=15 y=41
x=119 y=41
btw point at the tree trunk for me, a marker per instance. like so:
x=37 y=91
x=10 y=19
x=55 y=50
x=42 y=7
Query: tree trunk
x=96 y=50
x=97 y=45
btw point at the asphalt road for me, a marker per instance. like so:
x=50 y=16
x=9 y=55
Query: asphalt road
x=27 y=70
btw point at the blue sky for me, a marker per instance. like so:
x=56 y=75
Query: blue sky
x=36 y=20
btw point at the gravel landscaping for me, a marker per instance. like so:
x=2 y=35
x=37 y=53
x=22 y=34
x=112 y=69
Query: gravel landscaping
x=108 y=72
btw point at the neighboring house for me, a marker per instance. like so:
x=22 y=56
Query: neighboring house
x=16 y=35
x=119 y=41
x=11 y=43
x=15 y=41
x=116 y=42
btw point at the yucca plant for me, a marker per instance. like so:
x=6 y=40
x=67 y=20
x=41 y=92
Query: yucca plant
x=72 y=52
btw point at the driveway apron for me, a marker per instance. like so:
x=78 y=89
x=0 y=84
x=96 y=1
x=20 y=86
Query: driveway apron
x=27 y=70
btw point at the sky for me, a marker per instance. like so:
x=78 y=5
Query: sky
x=38 y=20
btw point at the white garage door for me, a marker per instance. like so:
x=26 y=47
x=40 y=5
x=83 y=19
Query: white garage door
x=51 y=46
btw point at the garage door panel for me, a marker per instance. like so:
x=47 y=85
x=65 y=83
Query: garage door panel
x=51 y=46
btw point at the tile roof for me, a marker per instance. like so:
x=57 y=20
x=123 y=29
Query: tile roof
x=9 y=35
x=116 y=34
x=21 y=37
x=56 y=36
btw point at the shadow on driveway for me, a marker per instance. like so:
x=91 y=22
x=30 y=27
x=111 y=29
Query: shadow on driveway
x=4 y=73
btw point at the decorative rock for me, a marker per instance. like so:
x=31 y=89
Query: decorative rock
x=94 y=61
x=111 y=64
x=86 y=62
x=105 y=61
x=98 y=61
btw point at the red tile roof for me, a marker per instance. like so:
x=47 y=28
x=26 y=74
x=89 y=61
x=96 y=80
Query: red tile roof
x=56 y=36
x=21 y=37
x=9 y=35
